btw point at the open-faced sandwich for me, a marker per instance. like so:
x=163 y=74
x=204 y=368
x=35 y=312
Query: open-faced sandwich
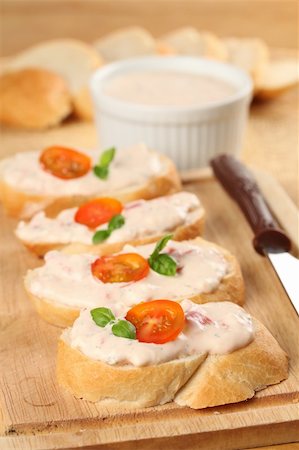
x=105 y=225
x=195 y=269
x=159 y=351
x=59 y=178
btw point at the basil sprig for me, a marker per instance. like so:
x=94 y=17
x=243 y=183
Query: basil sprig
x=116 y=222
x=122 y=328
x=101 y=170
x=102 y=316
x=161 y=262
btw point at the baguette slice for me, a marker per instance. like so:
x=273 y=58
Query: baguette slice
x=250 y=54
x=279 y=76
x=236 y=376
x=72 y=59
x=125 y=43
x=33 y=99
x=197 y=381
x=230 y=287
x=189 y=41
x=191 y=227
x=23 y=205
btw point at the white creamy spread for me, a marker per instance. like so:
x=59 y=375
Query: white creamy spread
x=67 y=279
x=142 y=218
x=167 y=88
x=131 y=168
x=215 y=328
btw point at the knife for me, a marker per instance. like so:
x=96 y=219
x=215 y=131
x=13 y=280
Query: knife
x=269 y=239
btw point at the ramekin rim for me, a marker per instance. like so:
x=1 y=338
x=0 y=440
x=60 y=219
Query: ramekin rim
x=104 y=73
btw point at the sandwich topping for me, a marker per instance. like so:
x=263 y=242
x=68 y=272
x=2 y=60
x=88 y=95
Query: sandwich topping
x=65 y=163
x=77 y=280
x=129 y=267
x=98 y=211
x=123 y=268
x=160 y=331
x=141 y=218
x=66 y=172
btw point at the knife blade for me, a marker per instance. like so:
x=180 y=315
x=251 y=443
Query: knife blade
x=269 y=239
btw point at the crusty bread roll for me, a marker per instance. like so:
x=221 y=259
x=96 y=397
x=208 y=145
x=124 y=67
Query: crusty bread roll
x=197 y=381
x=191 y=225
x=23 y=205
x=33 y=98
x=189 y=41
x=250 y=54
x=72 y=59
x=279 y=76
x=231 y=287
x=125 y=43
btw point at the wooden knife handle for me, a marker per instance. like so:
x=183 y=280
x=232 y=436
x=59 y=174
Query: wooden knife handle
x=242 y=187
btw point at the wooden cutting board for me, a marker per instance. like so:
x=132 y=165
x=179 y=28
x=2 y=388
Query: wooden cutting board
x=38 y=414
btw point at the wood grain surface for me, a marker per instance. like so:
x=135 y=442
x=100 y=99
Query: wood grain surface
x=37 y=413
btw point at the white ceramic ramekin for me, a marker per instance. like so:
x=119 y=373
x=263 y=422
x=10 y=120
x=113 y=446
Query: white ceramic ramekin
x=191 y=136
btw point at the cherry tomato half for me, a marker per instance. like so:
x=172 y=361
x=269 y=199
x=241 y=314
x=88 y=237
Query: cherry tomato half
x=98 y=211
x=158 y=321
x=64 y=162
x=120 y=268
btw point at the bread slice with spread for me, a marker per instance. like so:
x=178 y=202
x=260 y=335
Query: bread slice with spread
x=196 y=355
x=58 y=178
x=195 y=269
x=105 y=225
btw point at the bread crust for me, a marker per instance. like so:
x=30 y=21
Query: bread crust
x=231 y=289
x=84 y=378
x=279 y=76
x=23 y=206
x=198 y=382
x=236 y=376
x=33 y=99
x=181 y=233
x=251 y=54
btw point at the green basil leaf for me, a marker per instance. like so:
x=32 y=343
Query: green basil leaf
x=107 y=157
x=100 y=236
x=102 y=316
x=101 y=172
x=160 y=245
x=117 y=221
x=124 y=328
x=163 y=264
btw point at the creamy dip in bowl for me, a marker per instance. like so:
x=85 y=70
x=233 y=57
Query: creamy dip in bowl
x=188 y=108
x=167 y=88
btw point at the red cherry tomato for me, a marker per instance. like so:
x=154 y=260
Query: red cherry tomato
x=64 y=162
x=121 y=268
x=158 y=321
x=98 y=211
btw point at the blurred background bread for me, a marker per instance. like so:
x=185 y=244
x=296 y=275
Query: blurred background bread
x=189 y=41
x=250 y=54
x=125 y=43
x=277 y=77
x=33 y=98
x=71 y=59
